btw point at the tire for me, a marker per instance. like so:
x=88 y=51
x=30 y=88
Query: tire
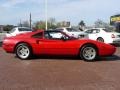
x=23 y=51
x=88 y=53
x=100 y=39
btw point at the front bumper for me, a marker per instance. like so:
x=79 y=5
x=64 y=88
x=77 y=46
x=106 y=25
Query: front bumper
x=116 y=42
x=107 y=50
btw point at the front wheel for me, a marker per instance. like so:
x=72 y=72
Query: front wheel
x=23 y=51
x=88 y=53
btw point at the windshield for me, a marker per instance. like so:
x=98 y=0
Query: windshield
x=72 y=30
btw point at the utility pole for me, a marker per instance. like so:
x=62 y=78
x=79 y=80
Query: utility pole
x=20 y=23
x=46 y=22
x=30 y=21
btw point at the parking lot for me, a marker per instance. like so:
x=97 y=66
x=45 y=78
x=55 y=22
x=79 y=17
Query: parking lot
x=53 y=73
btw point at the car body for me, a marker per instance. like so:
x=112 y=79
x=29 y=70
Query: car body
x=73 y=32
x=55 y=43
x=18 y=30
x=103 y=35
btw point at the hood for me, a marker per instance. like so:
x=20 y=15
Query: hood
x=97 y=43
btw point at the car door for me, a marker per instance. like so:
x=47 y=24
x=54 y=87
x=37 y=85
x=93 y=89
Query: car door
x=58 y=44
x=52 y=44
x=70 y=47
x=93 y=34
x=43 y=43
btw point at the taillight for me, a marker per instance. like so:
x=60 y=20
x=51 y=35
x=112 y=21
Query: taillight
x=113 y=36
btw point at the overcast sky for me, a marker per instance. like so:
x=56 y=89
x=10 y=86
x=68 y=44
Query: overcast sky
x=11 y=11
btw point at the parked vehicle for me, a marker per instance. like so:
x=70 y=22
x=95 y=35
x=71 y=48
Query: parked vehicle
x=46 y=43
x=18 y=30
x=2 y=36
x=103 y=35
x=73 y=32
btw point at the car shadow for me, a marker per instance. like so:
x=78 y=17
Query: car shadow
x=0 y=44
x=117 y=45
x=110 y=58
x=54 y=58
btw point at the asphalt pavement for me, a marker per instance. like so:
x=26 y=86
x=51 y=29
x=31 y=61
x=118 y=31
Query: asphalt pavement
x=53 y=73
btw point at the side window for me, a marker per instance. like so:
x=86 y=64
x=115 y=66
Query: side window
x=46 y=35
x=38 y=35
x=21 y=29
x=95 y=31
x=24 y=29
x=54 y=35
x=59 y=29
x=89 y=31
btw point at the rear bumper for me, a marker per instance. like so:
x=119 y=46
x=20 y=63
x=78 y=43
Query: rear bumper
x=116 y=41
x=8 y=48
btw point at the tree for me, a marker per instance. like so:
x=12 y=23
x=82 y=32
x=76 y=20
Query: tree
x=41 y=24
x=8 y=27
x=81 y=25
x=24 y=24
x=52 y=23
x=101 y=24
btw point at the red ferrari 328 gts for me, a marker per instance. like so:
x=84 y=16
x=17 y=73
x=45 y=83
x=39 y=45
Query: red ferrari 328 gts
x=55 y=43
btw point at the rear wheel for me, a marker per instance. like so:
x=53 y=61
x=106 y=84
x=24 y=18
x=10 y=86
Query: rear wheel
x=23 y=51
x=88 y=53
x=100 y=39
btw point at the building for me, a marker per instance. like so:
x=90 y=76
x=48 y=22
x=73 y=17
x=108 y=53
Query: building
x=115 y=21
